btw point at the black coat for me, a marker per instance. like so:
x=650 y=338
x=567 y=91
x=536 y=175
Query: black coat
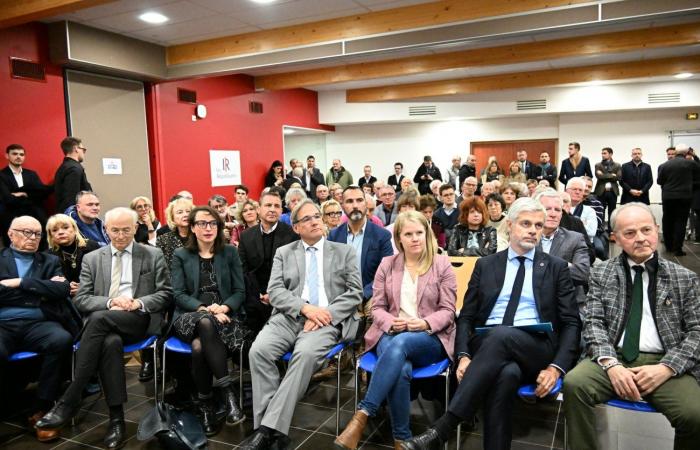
x=250 y=249
x=70 y=179
x=567 y=170
x=424 y=185
x=36 y=191
x=316 y=178
x=549 y=173
x=362 y=181
x=465 y=172
x=638 y=178
x=676 y=178
x=395 y=182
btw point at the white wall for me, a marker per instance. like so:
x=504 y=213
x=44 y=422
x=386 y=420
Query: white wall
x=301 y=146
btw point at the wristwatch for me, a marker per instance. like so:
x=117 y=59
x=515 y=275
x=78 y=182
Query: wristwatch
x=609 y=363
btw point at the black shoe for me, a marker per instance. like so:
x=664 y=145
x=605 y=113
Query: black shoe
x=260 y=440
x=426 y=441
x=58 y=416
x=234 y=415
x=207 y=415
x=680 y=253
x=116 y=434
x=146 y=372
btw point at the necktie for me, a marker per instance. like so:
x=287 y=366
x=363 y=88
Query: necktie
x=512 y=307
x=116 y=275
x=630 y=346
x=312 y=276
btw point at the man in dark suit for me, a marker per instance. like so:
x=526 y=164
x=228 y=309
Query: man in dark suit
x=312 y=177
x=425 y=174
x=608 y=173
x=367 y=176
x=395 y=179
x=467 y=170
x=35 y=313
x=526 y=166
x=636 y=179
x=295 y=176
x=256 y=249
x=70 y=176
x=124 y=287
x=519 y=286
x=545 y=171
x=676 y=179
x=25 y=192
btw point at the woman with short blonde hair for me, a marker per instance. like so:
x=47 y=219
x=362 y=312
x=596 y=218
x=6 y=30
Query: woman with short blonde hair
x=147 y=222
x=66 y=242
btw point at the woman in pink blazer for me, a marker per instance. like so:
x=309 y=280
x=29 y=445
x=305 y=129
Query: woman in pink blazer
x=413 y=308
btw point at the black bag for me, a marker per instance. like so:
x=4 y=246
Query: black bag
x=175 y=430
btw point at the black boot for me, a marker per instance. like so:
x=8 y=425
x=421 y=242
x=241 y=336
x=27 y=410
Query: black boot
x=234 y=415
x=208 y=416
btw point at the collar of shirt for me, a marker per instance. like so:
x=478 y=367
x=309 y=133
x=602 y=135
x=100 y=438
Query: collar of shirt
x=272 y=229
x=129 y=248
x=545 y=238
x=362 y=230
x=318 y=245
x=650 y=264
x=19 y=172
x=512 y=255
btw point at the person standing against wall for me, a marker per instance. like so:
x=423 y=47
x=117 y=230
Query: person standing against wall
x=70 y=177
x=608 y=173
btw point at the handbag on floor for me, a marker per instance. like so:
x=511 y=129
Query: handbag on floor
x=175 y=430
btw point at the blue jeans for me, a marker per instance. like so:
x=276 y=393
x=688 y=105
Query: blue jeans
x=391 y=379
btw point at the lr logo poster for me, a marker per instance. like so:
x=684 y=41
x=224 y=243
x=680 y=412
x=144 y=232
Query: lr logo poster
x=225 y=167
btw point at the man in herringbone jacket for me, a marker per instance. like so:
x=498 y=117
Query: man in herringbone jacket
x=638 y=349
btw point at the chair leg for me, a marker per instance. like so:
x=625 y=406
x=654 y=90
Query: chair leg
x=338 y=357
x=72 y=378
x=566 y=437
x=155 y=369
x=165 y=351
x=240 y=377
x=459 y=436
x=447 y=400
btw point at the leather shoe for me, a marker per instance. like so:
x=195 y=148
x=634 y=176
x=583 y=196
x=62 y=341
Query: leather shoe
x=59 y=415
x=116 y=433
x=352 y=433
x=259 y=440
x=43 y=435
x=426 y=441
x=207 y=415
x=234 y=415
x=146 y=372
x=34 y=418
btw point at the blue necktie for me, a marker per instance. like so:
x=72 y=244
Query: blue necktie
x=312 y=276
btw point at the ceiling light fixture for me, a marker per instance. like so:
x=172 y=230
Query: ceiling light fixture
x=683 y=75
x=263 y=2
x=153 y=17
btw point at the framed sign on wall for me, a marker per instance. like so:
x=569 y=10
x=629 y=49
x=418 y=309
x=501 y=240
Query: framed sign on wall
x=225 y=167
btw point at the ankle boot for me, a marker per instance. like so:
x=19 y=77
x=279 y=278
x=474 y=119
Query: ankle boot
x=234 y=415
x=208 y=417
x=352 y=434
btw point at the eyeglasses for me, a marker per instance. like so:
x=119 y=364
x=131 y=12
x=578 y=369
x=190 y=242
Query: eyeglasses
x=84 y=149
x=203 y=224
x=334 y=214
x=29 y=233
x=122 y=231
x=307 y=219
x=142 y=207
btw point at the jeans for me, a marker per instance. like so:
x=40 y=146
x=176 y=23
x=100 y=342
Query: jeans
x=391 y=379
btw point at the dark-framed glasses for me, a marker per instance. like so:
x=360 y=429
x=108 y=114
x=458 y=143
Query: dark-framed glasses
x=29 y=233
x=203 y=224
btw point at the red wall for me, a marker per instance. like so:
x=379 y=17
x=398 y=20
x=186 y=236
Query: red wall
x=180 y=147
x=32 y=112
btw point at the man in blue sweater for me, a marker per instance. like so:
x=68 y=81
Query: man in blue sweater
x=86 y=213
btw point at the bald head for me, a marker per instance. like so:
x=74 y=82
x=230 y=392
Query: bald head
x=25 y=234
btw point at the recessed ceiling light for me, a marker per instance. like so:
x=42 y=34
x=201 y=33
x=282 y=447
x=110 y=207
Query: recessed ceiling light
x=263 y=1
x=683 y=75
x=153 y=17
x=595 y=83
x=288 y=131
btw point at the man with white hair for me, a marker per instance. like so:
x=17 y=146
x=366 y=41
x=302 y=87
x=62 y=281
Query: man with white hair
x=124 y=287
x=518 y=287
x=578 y=209
x=676 y=180
x=295 y=176
x=452 y=172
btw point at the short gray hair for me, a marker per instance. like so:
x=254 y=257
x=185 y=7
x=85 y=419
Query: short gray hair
x=294 y=192
x=619 y=209
x=524 y=204
x=82 y=194
x=550 y=193
x=577 y=180
x=121 y=211
x=295 y=211
x=298 y=172
x=682 y=149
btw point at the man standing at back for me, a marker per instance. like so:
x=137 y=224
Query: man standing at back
x=425 y=174
x=608 y=173
x=312 y=177
x=526 y=166
x=636 y=179
x=70 y=177
x=467 y=170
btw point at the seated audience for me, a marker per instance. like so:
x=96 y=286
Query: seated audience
x=332 y=212
x=471 y=236
x=427 y=205
x=86 y=212
x=34 y=313
x=291 y=199
x=241 y=197
x=336 y=192
x=641 y=332
x=312 y=312
x=371 y=208
x=220 y=205
x=492 y=172
x=578 y=209
x=469 y=188
x=388 y=209
x=122 y=307
x=209 y=290
x=515 y=174
x=295 y=179
x=412 y=326
x=531 y=187
x=510 y=193
x=177 y=215
x=407 y=202
x=520 y=286
x=322 y=193
x=496 y=208
x=66 y=242
x=275 y=175
x=147 y=224
x=573 y=223
x=448 y=213
x=435 y=190
x=368 y=188
x=487 y=189
x=246 y=217
x=405 y=183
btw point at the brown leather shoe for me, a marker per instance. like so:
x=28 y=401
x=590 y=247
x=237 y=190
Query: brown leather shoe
x=326 y=373
x=352 y=433
x=43 y=435
x=31 y=420
x=397 y=445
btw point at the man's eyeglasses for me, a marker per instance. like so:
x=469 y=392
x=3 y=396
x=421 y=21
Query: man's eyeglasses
x=203 y=224
x=84 y=149
x=307 y=219
x=29 y=233
x=334 y=214
x=121 y=231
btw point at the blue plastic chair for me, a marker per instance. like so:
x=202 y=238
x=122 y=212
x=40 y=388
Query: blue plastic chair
x=334 y=353
x=173 y=344
x=368 y=361
x=22 y=355
x=632 y=406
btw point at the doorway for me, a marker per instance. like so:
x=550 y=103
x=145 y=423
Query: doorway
x=506 y=151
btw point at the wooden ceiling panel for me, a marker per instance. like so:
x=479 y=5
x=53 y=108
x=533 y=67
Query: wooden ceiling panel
x=16 y=12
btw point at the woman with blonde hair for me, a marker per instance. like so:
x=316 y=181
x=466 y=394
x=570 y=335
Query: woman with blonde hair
x=332 y=212
x=246 y=217
x=147 y=223
x=515 y=175
x=176 y=214
x=66 y=242
x=413 y=312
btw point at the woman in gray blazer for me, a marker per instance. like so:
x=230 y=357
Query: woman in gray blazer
x=209 y=289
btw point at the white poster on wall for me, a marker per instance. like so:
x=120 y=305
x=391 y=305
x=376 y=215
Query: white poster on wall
x=225 y=167
x=112 y=166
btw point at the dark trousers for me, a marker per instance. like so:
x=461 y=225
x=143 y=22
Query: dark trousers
x=47 y=338
x=503 y=359
x=609 y=201
x=101 y=348
x=674 y=220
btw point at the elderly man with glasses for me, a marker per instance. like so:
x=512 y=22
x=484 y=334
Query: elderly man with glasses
x=315 y=287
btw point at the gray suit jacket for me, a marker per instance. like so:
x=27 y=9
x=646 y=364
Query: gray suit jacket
x=571 y=247
x=341 y=278
x=150 y=282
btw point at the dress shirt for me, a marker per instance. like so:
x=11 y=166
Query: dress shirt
x=409 y=296
x=272 y=229
x=526 y=314
x=547 y=241
x=589 y=219
x=18 y=177
x=322 y=298
x=125 y=283
x=356 y=242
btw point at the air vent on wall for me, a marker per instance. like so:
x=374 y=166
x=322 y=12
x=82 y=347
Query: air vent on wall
x=664 y=97
x=529 y=105
x=429 y=110
x=29 y=70
x=186 y=96
x=255 y=107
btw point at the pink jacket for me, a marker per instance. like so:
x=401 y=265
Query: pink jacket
x=437 y=290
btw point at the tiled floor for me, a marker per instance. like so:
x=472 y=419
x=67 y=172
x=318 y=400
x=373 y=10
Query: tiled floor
x=536 y=427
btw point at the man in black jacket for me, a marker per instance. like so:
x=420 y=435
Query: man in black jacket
x=312 y=177
x=517 y=287
x=256 y=249
x=70 y=177
x=676 y=179
x=35 y=313
x=425 y=174
x=545 y=171
x=395 y=179
x=636 y=179
x=467 y=170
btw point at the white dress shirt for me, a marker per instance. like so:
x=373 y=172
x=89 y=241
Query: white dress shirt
x=409 y=297
x=322 y=298
x=18 y=177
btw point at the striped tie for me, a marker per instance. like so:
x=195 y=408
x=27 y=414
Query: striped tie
x=116 y=275
x=312 y=276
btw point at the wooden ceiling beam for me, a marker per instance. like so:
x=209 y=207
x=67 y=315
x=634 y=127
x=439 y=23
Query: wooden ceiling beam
x=16 y=12
x=616 y=42
x=387 y=21
x=603 y=72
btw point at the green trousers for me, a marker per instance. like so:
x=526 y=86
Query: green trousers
x=588 y=385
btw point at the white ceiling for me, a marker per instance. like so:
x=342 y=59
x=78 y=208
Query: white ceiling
x=195 y=20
